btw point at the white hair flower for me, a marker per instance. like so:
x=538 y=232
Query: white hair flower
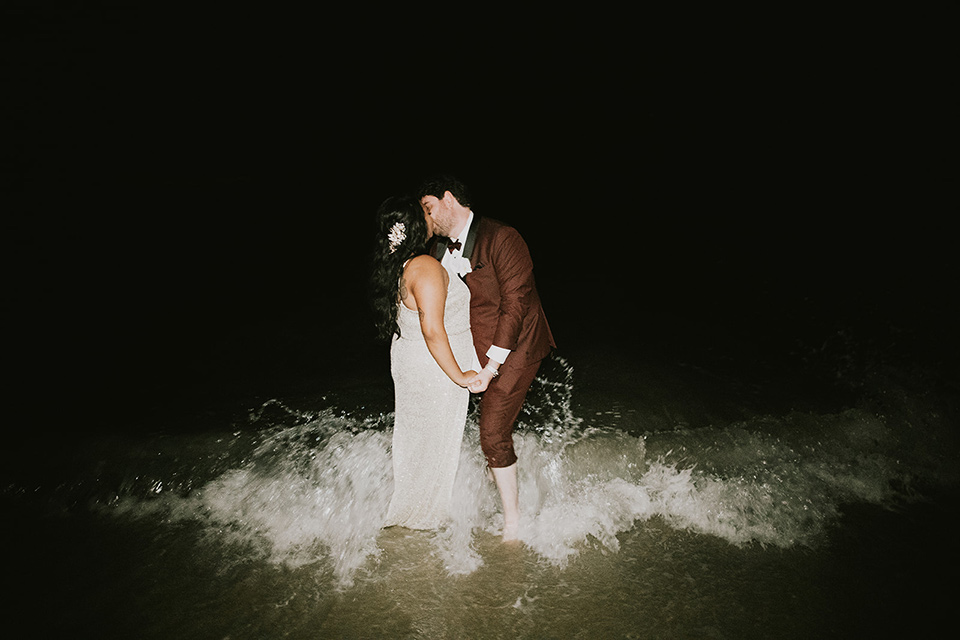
x=398 y=233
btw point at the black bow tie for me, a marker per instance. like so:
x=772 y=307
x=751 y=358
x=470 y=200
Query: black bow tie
x=453 y=245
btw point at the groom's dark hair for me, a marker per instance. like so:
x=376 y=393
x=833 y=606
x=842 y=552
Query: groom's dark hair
x=438 y=185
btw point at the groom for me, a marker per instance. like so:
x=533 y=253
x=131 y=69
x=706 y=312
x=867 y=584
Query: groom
x=510 y=330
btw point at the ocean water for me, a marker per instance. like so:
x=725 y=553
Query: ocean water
x=658 y=502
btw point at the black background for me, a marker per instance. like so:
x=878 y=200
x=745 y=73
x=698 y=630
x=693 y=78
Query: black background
x=191 y=196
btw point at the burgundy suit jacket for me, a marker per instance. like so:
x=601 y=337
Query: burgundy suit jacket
x=505 y=307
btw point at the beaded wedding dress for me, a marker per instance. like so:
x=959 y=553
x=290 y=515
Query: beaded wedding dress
x=431 y=411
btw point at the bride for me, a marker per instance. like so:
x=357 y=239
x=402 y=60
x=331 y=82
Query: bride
x=426 y=313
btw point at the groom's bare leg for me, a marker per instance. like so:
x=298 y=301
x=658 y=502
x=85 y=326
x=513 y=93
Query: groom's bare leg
x=498 y=412
x=506 y=479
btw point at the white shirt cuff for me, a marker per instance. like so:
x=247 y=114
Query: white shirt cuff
x=498 y=354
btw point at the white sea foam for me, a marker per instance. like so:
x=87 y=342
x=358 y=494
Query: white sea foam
x=318 y=490
x=316 y=486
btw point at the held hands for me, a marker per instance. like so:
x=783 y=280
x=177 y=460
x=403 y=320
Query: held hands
x=478 y=382
x=467 y=378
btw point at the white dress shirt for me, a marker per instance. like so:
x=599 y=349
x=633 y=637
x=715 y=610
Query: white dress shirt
x=457 y=265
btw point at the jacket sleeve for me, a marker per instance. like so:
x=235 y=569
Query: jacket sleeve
x=514 y=269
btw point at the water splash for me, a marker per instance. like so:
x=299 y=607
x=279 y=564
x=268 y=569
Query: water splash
x=314 y=487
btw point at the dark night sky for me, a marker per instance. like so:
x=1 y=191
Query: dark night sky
x=175 y=180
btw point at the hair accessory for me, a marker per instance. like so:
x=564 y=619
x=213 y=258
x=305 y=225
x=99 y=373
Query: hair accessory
x=398 y=233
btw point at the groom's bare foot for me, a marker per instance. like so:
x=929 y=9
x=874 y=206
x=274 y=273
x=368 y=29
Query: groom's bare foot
x=506 y=479
x=511 y=532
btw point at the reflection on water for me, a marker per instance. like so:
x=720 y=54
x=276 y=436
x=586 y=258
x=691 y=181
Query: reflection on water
x=692 y=531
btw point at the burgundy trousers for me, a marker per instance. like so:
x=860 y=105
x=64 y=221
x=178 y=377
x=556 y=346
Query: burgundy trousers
x=499 y=409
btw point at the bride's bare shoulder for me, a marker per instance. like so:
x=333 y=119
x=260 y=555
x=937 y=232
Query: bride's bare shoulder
x=424 y=264
x=424 y=267
x=424 y=261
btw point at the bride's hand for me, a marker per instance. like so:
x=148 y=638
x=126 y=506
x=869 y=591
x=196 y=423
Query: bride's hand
x=468 y=377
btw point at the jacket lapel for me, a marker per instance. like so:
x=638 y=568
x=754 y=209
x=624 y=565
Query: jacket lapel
x=471 y=237
x=467 y=250
x=440 y=247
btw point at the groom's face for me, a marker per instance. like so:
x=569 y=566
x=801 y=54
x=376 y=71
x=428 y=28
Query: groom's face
x=431 y=227
x=439 y=212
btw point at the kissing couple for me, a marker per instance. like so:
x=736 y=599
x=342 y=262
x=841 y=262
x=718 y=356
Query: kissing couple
x=449 y=285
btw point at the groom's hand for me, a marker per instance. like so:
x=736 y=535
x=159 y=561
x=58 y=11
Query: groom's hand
x=480 y=383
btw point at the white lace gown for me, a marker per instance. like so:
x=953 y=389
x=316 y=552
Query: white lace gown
x=431 y=411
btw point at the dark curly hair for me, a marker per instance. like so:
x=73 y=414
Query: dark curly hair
x=438 y=185
x=389 y=258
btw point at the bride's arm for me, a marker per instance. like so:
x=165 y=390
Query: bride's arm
x=427 y=282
